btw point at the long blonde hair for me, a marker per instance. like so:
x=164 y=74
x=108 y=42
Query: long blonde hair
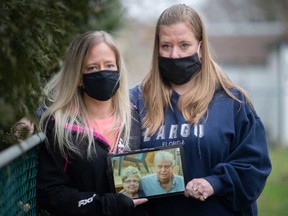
x=65 y=98
x=193 y=104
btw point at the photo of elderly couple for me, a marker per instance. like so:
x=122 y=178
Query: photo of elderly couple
x=149 y=174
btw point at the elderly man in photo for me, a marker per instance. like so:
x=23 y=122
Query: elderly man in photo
x=163 y=180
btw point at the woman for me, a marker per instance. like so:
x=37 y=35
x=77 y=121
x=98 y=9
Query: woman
x=131 y=182
x=88 y=117
x=186 y=98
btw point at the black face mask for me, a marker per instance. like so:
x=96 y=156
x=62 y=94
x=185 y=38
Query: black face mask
x=101 y=85
x=179 y=70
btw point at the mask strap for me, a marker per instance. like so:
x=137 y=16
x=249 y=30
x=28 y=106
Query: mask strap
x=198 y=50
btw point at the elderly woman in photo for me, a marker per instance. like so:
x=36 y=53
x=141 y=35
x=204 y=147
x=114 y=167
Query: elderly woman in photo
x=131 y=181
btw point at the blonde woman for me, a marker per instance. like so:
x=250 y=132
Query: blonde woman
x=186 y=98
x=88 y=116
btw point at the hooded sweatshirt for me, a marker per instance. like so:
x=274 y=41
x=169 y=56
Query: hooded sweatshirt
x=228 y=148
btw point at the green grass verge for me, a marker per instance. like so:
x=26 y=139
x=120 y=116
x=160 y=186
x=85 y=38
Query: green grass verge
x=274 y=199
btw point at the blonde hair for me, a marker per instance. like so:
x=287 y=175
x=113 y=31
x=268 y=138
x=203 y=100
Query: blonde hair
x=66 y=99
x=193 y=104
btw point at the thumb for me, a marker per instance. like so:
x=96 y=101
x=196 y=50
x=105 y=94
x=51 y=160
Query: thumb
x=139 y=201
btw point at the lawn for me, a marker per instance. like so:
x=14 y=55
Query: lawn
x=274 y=199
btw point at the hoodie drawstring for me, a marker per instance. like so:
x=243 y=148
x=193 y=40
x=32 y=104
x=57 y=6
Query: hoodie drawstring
x=198 y=141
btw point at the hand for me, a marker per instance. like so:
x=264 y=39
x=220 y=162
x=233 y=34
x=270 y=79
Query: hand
x=23 y=129
x=199 y=189
x=139 y=201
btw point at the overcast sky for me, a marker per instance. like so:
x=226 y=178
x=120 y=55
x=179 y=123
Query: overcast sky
x=146 y=10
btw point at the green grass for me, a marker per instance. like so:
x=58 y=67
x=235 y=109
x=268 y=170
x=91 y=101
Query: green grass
x=274 y=199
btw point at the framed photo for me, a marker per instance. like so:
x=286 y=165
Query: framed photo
x=148 y=173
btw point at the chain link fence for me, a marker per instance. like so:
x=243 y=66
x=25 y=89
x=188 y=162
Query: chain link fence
x=18 y=170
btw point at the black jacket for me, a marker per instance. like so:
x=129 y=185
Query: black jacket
x=78 y=186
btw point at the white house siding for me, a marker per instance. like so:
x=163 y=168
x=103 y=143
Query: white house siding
x=267 y=84
x=255 y=57
x=283 y=92
x=259 y=81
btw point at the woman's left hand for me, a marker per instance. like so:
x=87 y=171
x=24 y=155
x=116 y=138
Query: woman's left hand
x=199 y=188
x=139 y=201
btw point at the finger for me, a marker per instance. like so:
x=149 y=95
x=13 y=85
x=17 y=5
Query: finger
x=203 y=198
x=197 y=196
x=189 y=186
x=186 y=193
x=139 y=201
x=200 y=191
x=189 y=193
x=195 y=189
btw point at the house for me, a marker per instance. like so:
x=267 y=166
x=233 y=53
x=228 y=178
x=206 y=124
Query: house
x=255 y=56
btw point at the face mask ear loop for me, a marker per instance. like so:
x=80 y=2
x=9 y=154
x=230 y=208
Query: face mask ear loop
x=199 y=46
x=198 y=50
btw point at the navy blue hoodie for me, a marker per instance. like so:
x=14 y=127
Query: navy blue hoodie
x=228 y=148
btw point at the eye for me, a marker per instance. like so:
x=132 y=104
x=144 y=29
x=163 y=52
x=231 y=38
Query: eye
x=185 y=45
x=165 y=46
x=92 y=69
x=111 y=66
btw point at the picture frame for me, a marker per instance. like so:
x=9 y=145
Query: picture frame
x=159 y=171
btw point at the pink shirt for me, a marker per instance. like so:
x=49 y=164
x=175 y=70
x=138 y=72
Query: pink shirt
x=103 y=127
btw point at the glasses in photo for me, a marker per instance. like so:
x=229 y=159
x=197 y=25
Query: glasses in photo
x=164 y=167
x=131 y=181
